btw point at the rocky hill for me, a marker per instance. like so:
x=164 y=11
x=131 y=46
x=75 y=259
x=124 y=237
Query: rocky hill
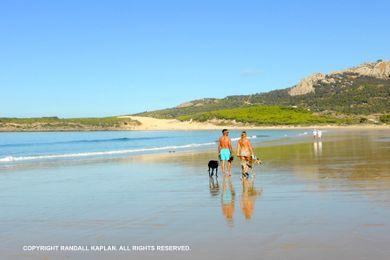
x=378 y=70
x=361 y=90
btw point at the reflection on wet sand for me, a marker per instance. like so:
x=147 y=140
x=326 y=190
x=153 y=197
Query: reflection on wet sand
x=248 y=197
x=317 y=148
x=353 y=157
x=328 y=201
x=228 y=198
x=214 y=186
x=342 y=163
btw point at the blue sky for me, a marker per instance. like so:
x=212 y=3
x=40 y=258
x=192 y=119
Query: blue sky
x=100 y=58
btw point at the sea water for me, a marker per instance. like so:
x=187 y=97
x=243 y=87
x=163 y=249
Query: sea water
x=38 y=146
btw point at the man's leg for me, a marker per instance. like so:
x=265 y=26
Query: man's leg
x=244 y=167
x=223 y=166
x=230 y=168
x=242 y=161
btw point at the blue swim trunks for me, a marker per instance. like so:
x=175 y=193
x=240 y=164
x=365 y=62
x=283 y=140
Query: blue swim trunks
x=225 y=154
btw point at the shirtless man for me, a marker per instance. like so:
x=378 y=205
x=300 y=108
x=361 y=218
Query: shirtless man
x=244 y=152
x=225 y=151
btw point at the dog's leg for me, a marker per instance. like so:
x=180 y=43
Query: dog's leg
x=209 y=172
x=216 y=172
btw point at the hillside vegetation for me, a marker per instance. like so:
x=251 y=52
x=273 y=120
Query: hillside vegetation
x=364 y=96
x=267 y=115
x=66 y=124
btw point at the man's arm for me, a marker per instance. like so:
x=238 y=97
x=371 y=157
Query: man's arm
x=238 y=148
x=230 y=146
x=219 y=146
x=250 y=147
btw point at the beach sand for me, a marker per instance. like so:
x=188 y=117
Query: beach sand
x=310 y=200
x=150 y=123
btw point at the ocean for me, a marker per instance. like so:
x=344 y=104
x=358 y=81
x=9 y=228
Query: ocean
x=43 y=146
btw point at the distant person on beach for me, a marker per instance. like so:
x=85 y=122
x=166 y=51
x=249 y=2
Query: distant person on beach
x=315 y=133
x=244 y=152
x=319 y=134
x=225 y=151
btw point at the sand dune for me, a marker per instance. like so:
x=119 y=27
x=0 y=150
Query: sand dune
x=150 y=123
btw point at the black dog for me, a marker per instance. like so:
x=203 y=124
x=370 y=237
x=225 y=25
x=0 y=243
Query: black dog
x=213 y=165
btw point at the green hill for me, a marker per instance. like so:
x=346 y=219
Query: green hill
x=66 y=124
x=267 y=115
x=358 y=92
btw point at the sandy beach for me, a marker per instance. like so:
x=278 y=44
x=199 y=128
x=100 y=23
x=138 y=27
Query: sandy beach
x=117 y=119
x=326 y=199
x=150 y=123
x=143 y=123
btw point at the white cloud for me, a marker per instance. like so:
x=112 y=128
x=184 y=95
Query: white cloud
x=250 y=73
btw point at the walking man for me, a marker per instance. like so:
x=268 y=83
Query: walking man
x=225 y=151
x=245 y=153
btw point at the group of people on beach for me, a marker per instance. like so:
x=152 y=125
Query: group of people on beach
x=225 y=151
x=317 y=134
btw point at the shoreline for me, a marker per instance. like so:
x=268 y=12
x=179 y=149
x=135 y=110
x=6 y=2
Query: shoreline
x=216 y=127
x=163 y=155
x=154 y=157
x=156 y=124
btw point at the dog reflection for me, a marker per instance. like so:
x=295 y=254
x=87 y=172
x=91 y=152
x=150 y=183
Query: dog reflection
x=214 y=186
x=248 y=197
x=227 y=198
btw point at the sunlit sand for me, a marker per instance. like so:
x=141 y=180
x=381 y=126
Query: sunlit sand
x=325 y=199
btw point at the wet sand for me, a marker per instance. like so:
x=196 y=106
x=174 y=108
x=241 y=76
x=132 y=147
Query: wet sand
x=310 y=200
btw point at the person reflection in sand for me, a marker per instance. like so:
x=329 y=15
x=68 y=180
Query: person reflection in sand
x=214 y=186
x=317 y=148
x=248 y=197
x=227 y=198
